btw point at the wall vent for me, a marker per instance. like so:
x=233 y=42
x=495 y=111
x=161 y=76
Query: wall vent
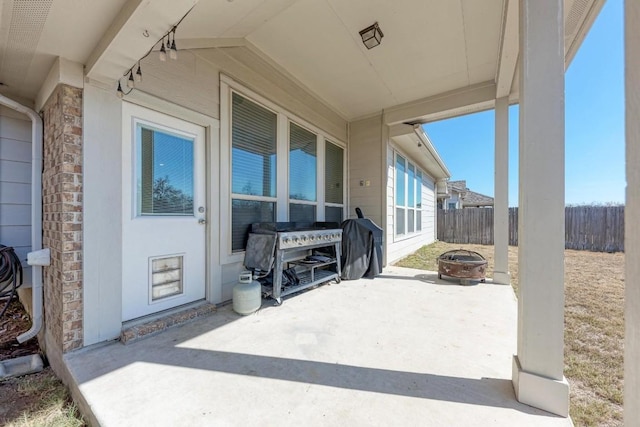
x=166 y=277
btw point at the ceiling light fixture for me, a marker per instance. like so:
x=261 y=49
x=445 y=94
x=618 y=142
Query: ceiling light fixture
x=371 y=36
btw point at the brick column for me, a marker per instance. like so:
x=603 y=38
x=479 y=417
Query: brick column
x=62 y=218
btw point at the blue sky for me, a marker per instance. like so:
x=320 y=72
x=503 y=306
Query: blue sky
x=594 y=123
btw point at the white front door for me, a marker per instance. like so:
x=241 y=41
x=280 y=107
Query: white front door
x=164 y=216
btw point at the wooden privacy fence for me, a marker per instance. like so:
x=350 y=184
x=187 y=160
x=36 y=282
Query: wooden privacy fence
x=594 y=228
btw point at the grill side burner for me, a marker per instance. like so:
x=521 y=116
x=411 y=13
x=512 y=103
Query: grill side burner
x=293 y=244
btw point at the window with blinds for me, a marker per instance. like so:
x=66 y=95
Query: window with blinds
x=303 y=160
x=253 y=167
x=313 y=170
x=165 y=172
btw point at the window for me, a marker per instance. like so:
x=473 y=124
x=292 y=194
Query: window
x=279 y=168
x=165 y=171
x=333 y=182
x=302 y=174
x=452 y=205
x=408 y=211
x=253 y=167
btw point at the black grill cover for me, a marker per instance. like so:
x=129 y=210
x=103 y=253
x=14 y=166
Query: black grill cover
x=361 y=249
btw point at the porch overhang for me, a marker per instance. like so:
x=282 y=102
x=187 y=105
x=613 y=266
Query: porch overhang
x=437 y=59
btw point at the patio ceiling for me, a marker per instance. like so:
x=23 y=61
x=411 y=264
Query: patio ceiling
x=429 y=48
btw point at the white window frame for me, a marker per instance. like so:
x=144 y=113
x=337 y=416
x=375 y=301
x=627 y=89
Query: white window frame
x=418 y=188
x=227 y=87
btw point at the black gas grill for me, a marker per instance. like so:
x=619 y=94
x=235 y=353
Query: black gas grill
x=309 y=254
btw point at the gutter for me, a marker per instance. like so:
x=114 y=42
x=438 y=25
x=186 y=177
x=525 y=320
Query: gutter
x=432 y=150
x=42 y=257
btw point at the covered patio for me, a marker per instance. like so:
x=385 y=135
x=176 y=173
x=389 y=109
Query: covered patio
x=403 y=349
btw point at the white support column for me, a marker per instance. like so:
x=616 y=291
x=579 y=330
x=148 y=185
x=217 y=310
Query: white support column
x=501 y=192
x=538 y=367
x=632 y=211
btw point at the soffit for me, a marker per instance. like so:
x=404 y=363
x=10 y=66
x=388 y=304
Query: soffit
x=34 y=32
x=429 y=48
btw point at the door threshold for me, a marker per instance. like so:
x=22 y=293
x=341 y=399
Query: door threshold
x=153 y=324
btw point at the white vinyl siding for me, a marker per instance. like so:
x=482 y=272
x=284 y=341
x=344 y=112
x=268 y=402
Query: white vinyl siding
x=15 y=184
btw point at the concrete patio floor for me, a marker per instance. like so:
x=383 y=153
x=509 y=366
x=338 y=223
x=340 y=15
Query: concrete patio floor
x=404 y=349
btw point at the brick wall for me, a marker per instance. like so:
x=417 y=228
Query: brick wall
x=62 y=216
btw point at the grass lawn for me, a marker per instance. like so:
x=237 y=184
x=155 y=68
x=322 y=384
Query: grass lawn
x=594 y=325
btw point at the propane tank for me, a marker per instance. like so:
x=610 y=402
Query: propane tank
x=247 y=295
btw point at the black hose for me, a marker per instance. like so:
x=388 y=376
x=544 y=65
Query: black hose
x=10 y=275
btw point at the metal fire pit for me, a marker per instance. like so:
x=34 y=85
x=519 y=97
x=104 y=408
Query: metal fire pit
x=463 y=265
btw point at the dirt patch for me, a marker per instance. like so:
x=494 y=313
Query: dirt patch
x=37 y=400
x=15 y=322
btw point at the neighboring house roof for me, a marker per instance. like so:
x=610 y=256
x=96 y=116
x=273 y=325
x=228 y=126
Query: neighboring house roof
x=458 y=186
x=469 y=198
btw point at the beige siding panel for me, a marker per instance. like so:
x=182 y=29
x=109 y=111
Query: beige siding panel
x=18 y=151
x=11 y=214
x=230 y=273
x=15 y=235
x=13 y=128
x=190 y=82
x=15 y=193
x=194 y=82
x=259 y=75
x=12 y=171
x=365 y=159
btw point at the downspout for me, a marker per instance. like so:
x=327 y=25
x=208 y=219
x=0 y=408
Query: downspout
x=36 y=213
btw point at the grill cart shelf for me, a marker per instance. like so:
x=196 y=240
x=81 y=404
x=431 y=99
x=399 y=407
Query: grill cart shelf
x=293 y=249
x=293 y=245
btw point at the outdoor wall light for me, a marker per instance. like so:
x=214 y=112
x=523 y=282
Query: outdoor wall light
x=371 y=36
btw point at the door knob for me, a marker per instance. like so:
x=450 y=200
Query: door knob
x=202 y=221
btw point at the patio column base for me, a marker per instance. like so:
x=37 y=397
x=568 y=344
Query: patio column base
x=501 y=278
x=540 y=392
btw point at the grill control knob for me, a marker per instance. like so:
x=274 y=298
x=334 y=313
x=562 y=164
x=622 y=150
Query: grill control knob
x=312 y=238
x=295 y=240
x=304 y=239
x=285 y=241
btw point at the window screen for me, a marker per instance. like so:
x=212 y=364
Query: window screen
x=165 y=172
x=333 y=214
x=254 y=131
x=411 y=190
x=243 y=214
x=334 y=174
x=400 y=181
x=419 y=190
x=400 y=221
x=302 y=213
x=302 y=163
